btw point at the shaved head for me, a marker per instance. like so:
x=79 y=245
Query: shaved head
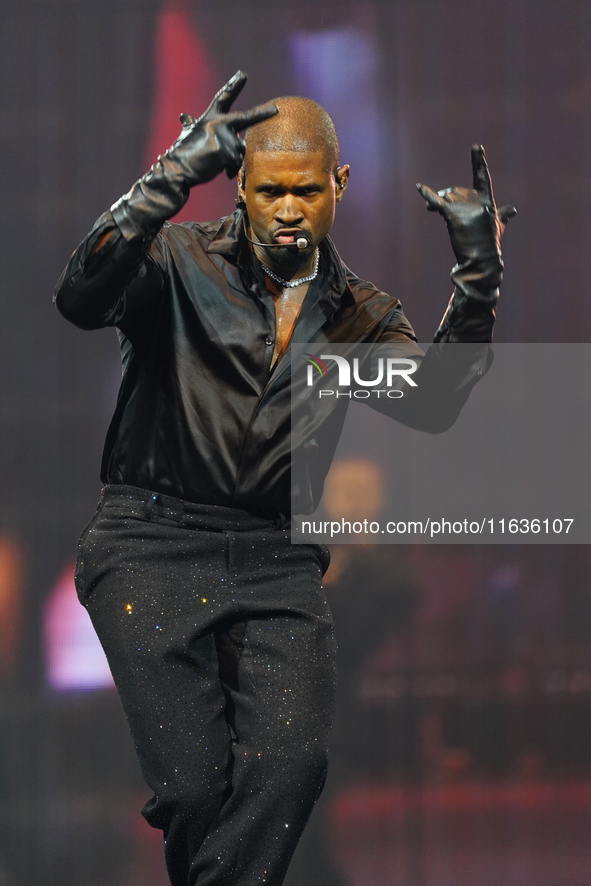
x=301 y=125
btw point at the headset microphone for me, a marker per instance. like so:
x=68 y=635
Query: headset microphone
x=301 y=242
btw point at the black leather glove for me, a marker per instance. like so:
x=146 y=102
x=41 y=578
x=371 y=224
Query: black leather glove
x=475 y=227
x=204 y=148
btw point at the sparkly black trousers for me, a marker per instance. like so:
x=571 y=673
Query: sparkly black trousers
x=221 y=645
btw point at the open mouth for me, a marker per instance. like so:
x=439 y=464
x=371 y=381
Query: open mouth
x=286 y=238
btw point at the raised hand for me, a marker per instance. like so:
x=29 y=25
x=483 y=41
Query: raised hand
x=474 y=222
x=203 y=149
x=210 y=144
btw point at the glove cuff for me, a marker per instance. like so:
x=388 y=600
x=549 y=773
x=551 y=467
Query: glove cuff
x=152 y=200
x=471 y=312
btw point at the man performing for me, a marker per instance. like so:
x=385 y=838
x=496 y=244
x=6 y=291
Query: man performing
x=215 y=626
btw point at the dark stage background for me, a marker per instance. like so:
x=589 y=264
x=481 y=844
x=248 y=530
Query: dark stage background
x=461 y=754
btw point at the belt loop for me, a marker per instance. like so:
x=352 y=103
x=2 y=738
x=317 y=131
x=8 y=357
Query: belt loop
x=150 y=505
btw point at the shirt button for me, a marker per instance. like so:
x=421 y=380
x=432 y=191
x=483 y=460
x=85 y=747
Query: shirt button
x=269 y=340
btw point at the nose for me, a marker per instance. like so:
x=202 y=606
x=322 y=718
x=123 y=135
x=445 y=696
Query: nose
x=289 y=211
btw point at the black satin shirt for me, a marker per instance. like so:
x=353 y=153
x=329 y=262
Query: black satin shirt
x=201 y=415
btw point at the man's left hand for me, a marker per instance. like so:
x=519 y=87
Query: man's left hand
x=474 y=222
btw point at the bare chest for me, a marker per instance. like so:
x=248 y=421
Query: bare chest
x=287 y=309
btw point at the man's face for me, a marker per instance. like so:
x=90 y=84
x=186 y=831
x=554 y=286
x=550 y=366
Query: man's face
x=287 y=192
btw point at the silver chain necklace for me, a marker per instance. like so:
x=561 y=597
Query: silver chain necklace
x=291 y=284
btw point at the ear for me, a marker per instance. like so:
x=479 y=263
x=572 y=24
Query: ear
x=241 y=180
x=341 y=181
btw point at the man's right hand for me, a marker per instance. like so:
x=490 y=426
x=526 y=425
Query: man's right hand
x=210 y=144
x=204 y=148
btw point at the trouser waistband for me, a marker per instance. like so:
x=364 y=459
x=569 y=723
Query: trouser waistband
x=148 y=505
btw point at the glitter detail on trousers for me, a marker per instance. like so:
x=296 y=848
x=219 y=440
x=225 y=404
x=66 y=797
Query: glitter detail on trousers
x=221 y=645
